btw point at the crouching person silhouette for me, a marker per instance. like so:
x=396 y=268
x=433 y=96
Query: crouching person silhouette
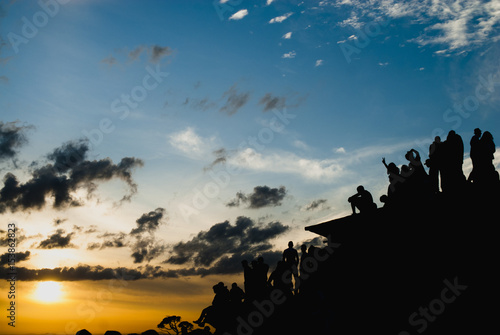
x=215 y=313
x=362 y=200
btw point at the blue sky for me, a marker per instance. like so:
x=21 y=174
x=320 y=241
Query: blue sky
x=220 y=97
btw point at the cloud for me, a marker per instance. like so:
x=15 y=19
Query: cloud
x=220 y=158
x=234 y=100
x=318 y=204
x=290 y=54
x=457 y=25
x=191 y=143
x=147 y=247
x=149 y=222
x=239 y=15
x=57 y=240
x=262 y=196
x=222 y=248
x=81 y=272
x=340 y=150
x=18 y=257
x=109 y=61
x=271 y=102
x=12 y=137
x=287 y=36
x=67 y=171
x=111 y=240
x=281 y=18
x=158 y=52
x=319 y=62
x=58 y=221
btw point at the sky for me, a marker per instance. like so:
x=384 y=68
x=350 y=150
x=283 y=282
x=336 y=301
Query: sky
x=147 y=147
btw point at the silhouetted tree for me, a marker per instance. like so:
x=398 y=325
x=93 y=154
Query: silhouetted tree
x=171 y=324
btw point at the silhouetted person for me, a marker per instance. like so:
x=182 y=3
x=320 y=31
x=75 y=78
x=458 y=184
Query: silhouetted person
x=261 y=270
x=452 y=176
x=303 y=256
x=396 y=182
x=291 y=259
x=484 y=173
x=362 y=200
x=475 y=152
x=236 y=295
x=213 y=313
x=434 y=163
x=248 y=276
x=281 y=278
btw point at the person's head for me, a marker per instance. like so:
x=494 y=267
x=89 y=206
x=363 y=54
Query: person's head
x=487 y=136
x=360 y=188
x=393 y=168
x=451 y=134
x=290 y=244
x=477 y=132
x=303 y=247
x=234 y=285
x=260 y=260
x=437 y=139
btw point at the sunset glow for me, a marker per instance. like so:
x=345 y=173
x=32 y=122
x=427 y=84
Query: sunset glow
x=48 y=292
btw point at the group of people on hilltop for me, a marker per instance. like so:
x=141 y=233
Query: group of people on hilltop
x=445 y=164
x=257 y=284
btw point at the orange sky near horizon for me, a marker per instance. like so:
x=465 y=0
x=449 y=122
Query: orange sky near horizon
x=98 y=306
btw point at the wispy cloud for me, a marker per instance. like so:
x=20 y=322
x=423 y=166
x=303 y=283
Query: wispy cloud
x=281 y=18
x=290 y=54
x=239 y=15
x=287 y=36
x=319 y=62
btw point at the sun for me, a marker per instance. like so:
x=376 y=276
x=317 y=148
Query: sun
x=48 y=292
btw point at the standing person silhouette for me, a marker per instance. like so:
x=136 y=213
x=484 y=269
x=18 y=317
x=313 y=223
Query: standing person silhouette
x=291 y=260
x=475 y=153
x=434 y=163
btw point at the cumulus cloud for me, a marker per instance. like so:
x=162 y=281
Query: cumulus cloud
x=281 y=18
x=66 y=171
x=234 y=100
x=287 y=36
x=239 y=15
x=12 y=137
x=222 y=248
x=18 y=257
x=149 y=222
x=57 y=240
x=146 y=247
x=262 y=196
x=190 y=143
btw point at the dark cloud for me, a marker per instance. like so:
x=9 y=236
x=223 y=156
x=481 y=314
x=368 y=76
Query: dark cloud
x=4 y=237
x=271 y=102
x=111 y=240
x=318 y=204
x=234 y=100
x=67 y=171
x=81 y=272
x=146 y=249
x=149 y=222
x=220 y=158
x=58 y=221
x=158 y=52
x=222 y=248
x=57 y=240
x=262 y=196
x=19 y=257
x=12 y=137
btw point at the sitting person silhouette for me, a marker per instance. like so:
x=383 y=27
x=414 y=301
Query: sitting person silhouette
x=362 y=200
x=214 y=312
